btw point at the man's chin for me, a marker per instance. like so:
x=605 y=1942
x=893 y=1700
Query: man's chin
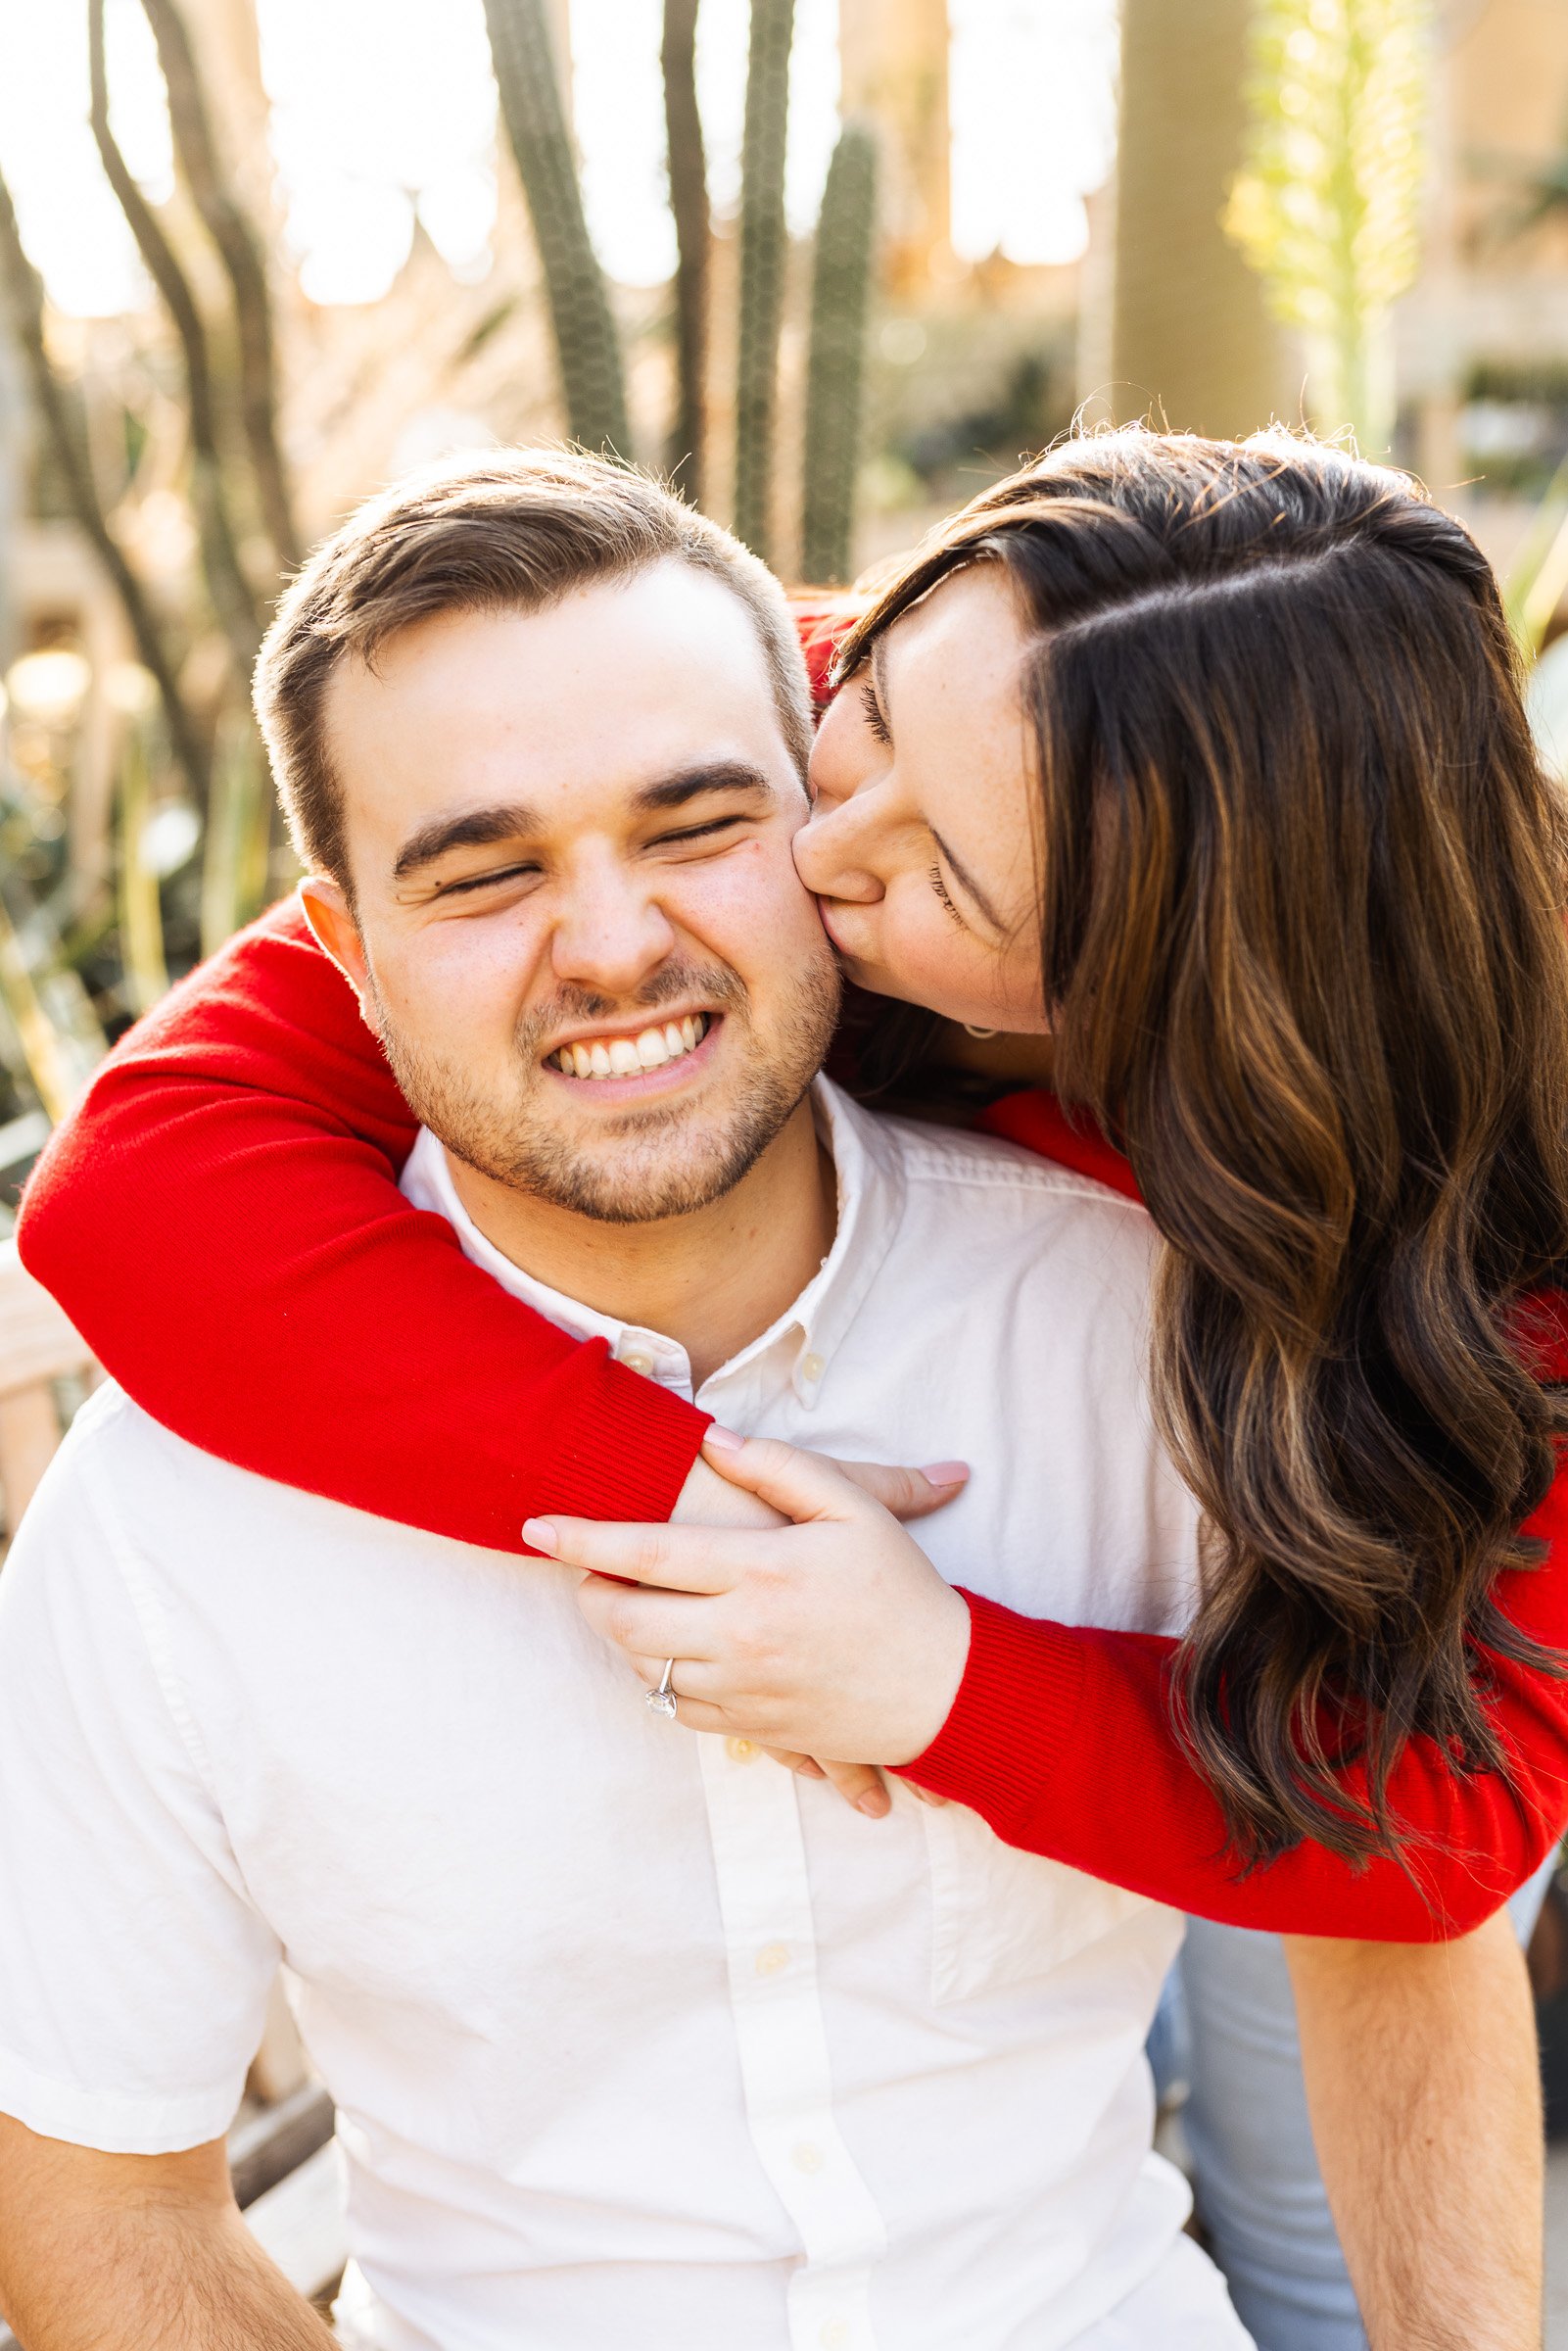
x=626 y=1195
x=637 y=1169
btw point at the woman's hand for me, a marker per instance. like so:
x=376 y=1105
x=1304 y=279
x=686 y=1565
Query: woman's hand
x=710 y=1499
x=834 y=1637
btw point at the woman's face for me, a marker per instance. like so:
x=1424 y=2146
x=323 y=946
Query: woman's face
x=920 y=847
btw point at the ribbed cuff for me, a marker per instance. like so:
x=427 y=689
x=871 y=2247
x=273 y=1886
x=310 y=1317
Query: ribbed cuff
x=631 y=1448
x=1012 y=1719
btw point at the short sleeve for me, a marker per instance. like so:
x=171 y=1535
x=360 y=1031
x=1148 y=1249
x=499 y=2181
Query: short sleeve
x=134 y=1967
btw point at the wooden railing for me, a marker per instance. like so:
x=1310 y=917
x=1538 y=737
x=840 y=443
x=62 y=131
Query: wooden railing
x=38 y=1344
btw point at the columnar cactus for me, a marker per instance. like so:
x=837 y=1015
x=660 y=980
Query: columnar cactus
x=835 y=375
x=764 y=254
x=1328 y=206
x=689 y=202
x=593 y=380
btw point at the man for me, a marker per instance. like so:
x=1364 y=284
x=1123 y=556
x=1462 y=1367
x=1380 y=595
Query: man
x=634 y=2037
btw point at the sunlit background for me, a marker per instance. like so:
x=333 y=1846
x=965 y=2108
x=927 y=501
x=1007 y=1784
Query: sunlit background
x=383 y=112
x=998 y=219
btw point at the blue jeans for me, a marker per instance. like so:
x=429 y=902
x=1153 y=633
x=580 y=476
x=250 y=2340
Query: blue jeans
x=1227 y=2027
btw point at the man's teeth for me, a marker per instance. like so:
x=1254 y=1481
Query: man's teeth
x=630 y=1055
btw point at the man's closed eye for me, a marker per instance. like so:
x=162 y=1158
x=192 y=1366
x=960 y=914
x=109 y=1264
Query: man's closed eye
x=711 y=830
x=486 y=881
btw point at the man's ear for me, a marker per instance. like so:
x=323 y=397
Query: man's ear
x=337 y=933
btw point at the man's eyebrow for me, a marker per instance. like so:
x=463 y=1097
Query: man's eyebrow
x=968 y=884
x=511 y=820
x=723 y=775
x=475 y=829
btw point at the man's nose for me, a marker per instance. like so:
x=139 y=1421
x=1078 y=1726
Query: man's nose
x=612 y=933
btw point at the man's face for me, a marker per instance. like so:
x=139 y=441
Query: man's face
x=577 y=928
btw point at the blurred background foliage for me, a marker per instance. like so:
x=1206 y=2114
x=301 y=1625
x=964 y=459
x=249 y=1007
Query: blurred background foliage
x=1347 y=213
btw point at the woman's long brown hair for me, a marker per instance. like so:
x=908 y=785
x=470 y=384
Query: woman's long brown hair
x=1302 y=926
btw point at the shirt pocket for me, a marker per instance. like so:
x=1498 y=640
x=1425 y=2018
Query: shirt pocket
x=1000 y=1917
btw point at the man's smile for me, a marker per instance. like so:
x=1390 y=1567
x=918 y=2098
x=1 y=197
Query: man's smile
x=638 y=1062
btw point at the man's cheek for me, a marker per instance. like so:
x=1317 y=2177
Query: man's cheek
x=480 y=974
x=745 y=898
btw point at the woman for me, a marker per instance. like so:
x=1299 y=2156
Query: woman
x=1308 y=975
x=1211 y=769
x=1294 y=928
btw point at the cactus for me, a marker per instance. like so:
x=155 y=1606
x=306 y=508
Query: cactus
x=764 y=253
x=587 y=346
x=840 y=293
x=689 y=202
x=1327 y=208
x=142 y=957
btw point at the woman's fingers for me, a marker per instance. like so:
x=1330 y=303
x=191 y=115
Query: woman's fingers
x=908 y=1493
x=700 y=1715
x=809 y=1486
x=805 y=1486
x=806 y=1767
x=859 y=1784
x=647 y=1624
x=679 y=1558
x=691 y=1711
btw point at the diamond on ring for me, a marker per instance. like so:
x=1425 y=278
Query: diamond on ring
x=662 y=1701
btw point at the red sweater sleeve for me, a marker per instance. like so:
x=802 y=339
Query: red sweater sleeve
x=221 y=1219
x=1063 y=1738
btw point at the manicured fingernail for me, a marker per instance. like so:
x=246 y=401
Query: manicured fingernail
x=723 y=1440
x=946 y=1473
x=540 y=1535
x=874 y=1803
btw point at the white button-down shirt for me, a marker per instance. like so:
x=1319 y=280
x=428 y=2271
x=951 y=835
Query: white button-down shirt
x=635 y=2037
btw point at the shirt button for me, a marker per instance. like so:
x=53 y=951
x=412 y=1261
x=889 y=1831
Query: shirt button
x=835 y=2332
x=740 y=1751
x=770 y=1959
x=635 y=1360
x=808 y=2157
x=812 y=1366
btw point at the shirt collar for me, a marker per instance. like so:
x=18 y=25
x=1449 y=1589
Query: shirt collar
x=871 y=1197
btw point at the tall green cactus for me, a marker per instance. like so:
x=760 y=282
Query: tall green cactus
x=840 y=292
x=588 y=348
x=689 y=202
x=764 y=256
x=1328 y=206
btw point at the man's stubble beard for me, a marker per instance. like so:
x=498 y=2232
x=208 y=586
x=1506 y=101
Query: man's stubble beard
x=665 y=1160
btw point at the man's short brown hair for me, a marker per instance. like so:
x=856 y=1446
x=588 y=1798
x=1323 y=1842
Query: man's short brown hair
x=512 y=530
